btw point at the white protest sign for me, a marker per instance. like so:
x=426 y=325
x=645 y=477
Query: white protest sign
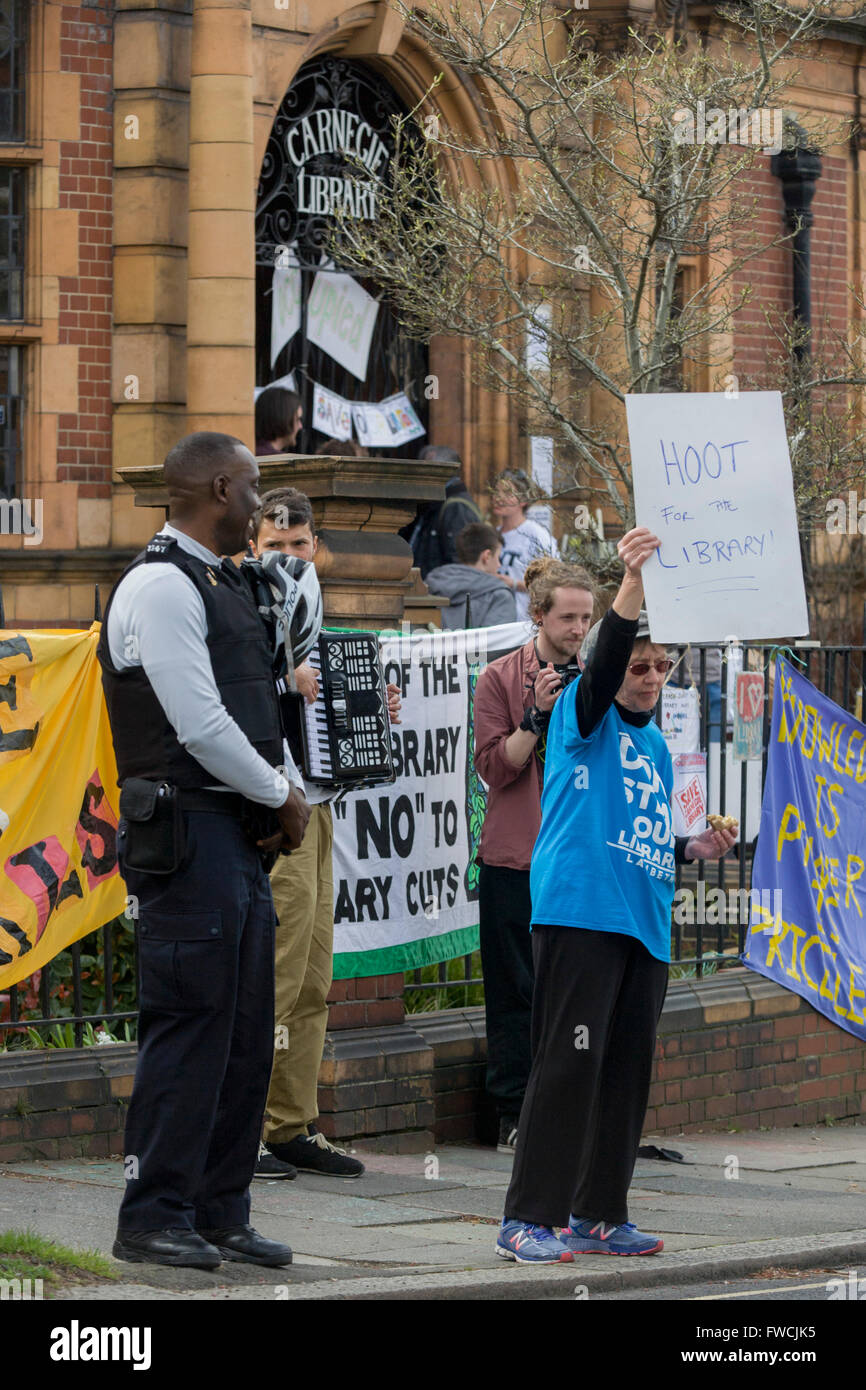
x=689 y=800
x=387 y=423
x=332 y=414
x=285 y=306
x=341 y=316
x=371 y=425
x=712 y=479
x=405 y=873
x=681 y=719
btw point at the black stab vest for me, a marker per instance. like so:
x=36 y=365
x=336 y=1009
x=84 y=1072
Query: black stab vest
x=145 y=743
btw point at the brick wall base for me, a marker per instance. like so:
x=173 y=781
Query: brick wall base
x=735 y=1052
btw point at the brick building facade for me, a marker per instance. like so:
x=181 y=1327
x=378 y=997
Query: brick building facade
x=144 y=124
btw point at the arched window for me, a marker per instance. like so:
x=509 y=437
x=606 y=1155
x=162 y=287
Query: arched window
x=314 y=323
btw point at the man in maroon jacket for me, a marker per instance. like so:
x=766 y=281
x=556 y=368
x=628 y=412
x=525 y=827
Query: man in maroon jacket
x=513 y=701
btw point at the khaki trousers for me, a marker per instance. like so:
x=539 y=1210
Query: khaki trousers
x=303 y=887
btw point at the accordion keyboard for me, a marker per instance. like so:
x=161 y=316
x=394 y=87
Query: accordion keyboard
x=346 y=729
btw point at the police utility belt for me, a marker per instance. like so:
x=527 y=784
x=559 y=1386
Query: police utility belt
x=156 y=829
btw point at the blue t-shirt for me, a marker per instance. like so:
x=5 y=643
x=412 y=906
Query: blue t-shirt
x=604 y=857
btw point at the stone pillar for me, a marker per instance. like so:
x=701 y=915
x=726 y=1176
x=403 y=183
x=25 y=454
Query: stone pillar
x=220 y=355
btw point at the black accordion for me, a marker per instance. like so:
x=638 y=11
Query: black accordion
x=344 y=738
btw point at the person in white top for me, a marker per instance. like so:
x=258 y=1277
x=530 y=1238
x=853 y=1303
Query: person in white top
x=523 y=539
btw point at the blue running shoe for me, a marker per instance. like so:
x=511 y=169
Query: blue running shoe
x=530 y=1245
x=603 y=1238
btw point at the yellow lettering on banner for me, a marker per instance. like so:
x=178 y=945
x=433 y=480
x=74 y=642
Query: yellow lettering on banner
x=855 y=733
x=776 y=940
x=836 y=1008
x=792 y=969
x=825 y=875
x=836 y=766
x=854 y=993
x=784 y=834
x=828 y=830
x=860 y=775
x=825 y=993
x=816 y=724
x=851 y=878
x=804 y=949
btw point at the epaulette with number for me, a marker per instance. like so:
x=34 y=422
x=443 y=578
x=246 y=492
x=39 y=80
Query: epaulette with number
x=158 y=546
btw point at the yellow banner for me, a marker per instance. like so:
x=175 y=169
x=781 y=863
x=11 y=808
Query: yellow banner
x=58 y=799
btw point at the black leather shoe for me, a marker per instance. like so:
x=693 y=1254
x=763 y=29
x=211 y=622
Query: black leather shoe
x=243 y=1243
x=177 y=1246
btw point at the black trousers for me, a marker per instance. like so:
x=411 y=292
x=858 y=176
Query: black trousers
x=505 y=910
x=205 y=1032
x=598 y=997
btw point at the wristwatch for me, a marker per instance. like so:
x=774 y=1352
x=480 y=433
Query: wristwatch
x=535 y=721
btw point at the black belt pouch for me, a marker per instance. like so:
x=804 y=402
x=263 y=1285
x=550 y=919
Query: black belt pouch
x=156 y=831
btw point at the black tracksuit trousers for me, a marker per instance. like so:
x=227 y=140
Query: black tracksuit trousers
x=597 y=1001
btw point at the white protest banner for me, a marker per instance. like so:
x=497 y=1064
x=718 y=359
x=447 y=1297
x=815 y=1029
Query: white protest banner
x=712 y=479
x=332 y=414
x=341 y=316
x=405 y=875
x=689 y=799
x=285 y=306
x=371 y=425
x=681 y=719
x=387 y=423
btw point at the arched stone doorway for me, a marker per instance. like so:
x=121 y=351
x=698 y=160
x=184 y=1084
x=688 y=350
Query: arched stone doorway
x=328 y=333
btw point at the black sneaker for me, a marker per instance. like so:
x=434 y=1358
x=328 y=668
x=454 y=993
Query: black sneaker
x=507 y=1136
x=269 y=1166
x=311 y=1153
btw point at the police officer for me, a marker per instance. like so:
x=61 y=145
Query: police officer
x=194 y=717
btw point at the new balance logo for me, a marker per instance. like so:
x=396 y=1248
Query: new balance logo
x=600 y=1233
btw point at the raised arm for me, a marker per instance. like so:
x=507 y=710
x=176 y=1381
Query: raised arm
x=605 y=671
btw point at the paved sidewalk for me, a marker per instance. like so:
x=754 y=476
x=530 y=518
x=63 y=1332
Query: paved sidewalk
x=424 y=1226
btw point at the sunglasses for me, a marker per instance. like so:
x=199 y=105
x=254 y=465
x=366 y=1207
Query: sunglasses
x=640 y=668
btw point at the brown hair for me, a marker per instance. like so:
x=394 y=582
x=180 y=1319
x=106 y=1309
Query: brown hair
x=547 y=573
x=285 y=507
x=474 y=539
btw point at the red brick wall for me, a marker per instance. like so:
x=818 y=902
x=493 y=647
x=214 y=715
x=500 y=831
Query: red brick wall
x=796 y=1069
x=769 y=274
x=372 y=1001
x=84 y=439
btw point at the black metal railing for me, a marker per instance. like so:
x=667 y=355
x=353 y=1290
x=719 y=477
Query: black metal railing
x=59 y=996
x=697 y=948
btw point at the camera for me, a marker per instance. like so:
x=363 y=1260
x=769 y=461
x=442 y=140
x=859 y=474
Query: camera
x=567 y=674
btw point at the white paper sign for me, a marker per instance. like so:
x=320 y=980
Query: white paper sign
x=689 y=799
x=341 y=316
x=681 y=719
x=387 y=423
x=332 y=414
x=285 y=307
x=712 y=478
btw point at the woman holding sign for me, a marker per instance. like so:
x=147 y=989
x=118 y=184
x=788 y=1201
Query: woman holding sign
x=602 y=885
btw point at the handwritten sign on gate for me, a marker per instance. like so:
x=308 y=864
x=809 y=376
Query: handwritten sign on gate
x=712 y=478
